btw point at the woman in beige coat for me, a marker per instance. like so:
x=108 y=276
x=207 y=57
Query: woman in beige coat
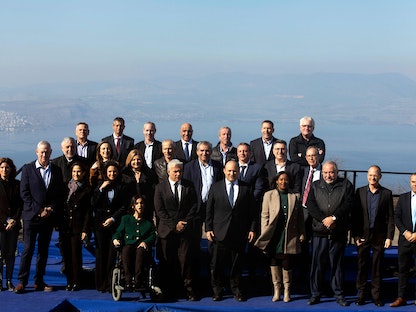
x=282 y=231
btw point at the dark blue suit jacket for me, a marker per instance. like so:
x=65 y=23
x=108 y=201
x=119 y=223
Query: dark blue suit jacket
x=255 y=176
x=403 y=217
x=35 y=195
x=192 y=172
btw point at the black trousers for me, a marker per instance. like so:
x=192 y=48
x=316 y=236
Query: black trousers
x=72 y=251
x=32 y=231
x=8 y=244
x=222 y=256
x=365 y=260
x=327 y=254
x=405 y=255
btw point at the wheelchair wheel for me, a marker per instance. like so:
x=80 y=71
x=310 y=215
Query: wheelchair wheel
x=116 y=288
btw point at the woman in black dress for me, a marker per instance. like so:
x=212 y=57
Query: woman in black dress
x=75 y=225
x=11 y=206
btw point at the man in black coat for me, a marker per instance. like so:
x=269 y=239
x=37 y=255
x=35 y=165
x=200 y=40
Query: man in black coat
x=41 y=189
x=150 y=147
x=230 y=223
x=175 y=205
x=373 y=230
x=405 y=220
x=120 y=143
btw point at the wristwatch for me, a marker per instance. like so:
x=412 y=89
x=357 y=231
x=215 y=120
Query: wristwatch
x=334 y=218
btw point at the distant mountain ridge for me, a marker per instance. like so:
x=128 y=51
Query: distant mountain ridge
x=329 y=97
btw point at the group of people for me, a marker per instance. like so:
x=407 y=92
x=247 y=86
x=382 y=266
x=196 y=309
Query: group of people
x=249 y=201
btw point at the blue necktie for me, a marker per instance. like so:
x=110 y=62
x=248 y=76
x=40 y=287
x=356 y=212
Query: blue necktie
x=186 y=151
x=231 y=194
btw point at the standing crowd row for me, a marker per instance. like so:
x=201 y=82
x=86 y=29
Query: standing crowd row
x=249 y=200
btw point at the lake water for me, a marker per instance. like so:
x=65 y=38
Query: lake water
x=351 y=146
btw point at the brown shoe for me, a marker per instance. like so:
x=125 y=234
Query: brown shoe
x=43 y=287
x=399 y=302
x=19 y=289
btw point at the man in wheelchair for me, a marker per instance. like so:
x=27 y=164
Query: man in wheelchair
x=136 y=236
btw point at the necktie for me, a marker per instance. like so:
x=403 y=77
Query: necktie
x=231 y=194
x=118 y=146
x=243 y=171
x=176 y=193
x=307 y=187
x=186 y=151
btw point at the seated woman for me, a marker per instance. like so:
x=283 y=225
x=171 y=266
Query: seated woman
x=137 y=235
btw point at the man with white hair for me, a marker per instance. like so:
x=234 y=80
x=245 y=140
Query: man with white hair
x=299 y=144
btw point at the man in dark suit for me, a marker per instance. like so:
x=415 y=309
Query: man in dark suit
x=261 y=148
x=405 y=220
x=185 y=148
x=281 y=163
x=84 y=147
x=202 y=172
x=311 y=173
x=69 y=156
x=120 y=143
x=372 y=229
x=42 y=191
x=230 y=223
x=150 y=147
x=175 y=205
x=254 y=175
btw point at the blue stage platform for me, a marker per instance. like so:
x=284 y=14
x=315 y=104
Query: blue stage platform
x=258 y=291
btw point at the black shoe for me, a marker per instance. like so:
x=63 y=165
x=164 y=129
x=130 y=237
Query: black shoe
x=191 y=296
x=9 y=285
x=68 y=287
x=314 y=300
x=217 y=297
x=239 y=297
x=360 y=300
x=378 y=302
x=342 y=302
x=75 y=287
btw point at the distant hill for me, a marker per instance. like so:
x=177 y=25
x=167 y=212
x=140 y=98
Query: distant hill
x=329 y=97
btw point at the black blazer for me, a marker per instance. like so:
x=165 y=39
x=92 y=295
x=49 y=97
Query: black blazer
x=77 y=212
x=65 y=166
x=91 y=152
x=170 y=212
x=384 y=221
x=104 y=209
x=192 y=172
x=403 y=217
x=11 y=203
x=179 y=154
x=156 y=152
x=231 y=224
x=293 y=169
x=257 y=151
x=35 y=196
x=127 y=144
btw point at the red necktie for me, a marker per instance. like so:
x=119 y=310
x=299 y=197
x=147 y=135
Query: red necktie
x=307 y=187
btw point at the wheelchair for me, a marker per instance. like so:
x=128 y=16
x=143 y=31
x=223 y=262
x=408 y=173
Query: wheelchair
x=118 y=285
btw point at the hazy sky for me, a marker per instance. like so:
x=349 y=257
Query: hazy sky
x=50 y=40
